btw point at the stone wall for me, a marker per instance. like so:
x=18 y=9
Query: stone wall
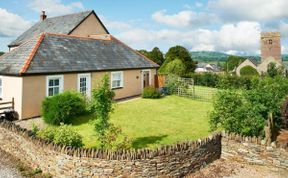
x=253 y=150
x=60 y=161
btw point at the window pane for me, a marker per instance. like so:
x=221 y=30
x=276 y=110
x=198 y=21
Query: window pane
x=50 y=92
x=117 y=76
x=56 y=82
x=51 y=83
x=56 y=90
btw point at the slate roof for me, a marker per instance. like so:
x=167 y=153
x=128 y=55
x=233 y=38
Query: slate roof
x=55 y=53
x=61 y=25
x=254 y=61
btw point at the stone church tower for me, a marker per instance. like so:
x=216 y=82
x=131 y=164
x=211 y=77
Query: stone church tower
x=271 y=46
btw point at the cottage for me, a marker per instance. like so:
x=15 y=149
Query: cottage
x=71 y=52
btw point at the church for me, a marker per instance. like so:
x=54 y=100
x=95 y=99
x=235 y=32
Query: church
x=270 y=53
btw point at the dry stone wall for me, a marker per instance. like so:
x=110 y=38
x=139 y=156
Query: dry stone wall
x=60 y=161
x=253 y=150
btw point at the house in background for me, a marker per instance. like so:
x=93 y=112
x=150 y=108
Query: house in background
x=206 y=67
x=71 y=52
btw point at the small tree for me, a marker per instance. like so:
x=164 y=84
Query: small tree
x=248 y=71
x=110 y=136
x=102 y=105
x=273 y=70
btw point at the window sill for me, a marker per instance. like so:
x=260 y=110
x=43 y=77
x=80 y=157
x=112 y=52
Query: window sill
x=117 y=88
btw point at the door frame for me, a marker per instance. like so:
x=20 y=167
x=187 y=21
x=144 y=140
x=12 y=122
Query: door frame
x=142 y=77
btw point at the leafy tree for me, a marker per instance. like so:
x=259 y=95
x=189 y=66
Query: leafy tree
x=110 y=136
x=273 y=70
x=248 y=71
x=176 y=67
x=179 y=52
x=155 y=55
x=102 y=105
x=233 y=62
x=1 y=53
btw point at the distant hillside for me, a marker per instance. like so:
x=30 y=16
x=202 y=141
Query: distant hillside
x=208 y=56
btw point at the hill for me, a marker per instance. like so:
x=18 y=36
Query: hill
x=208 y=56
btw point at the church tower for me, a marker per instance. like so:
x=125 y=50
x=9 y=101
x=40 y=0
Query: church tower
x=271 y=46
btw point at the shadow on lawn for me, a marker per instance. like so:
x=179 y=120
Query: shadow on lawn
x=81 y=120
x=143 y=142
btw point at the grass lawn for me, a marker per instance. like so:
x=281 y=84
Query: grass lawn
x=150 y=123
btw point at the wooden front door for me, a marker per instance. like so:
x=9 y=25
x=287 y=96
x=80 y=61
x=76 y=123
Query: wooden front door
x=146 y=79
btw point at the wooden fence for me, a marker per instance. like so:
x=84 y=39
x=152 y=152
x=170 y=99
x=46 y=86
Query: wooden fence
x=4 y=106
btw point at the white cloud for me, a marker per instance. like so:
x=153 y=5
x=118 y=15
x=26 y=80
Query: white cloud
x=250 y=9
x=12 y=24
x=199 y=4
x=185 y=18
x=55 y=7
x=242 y=37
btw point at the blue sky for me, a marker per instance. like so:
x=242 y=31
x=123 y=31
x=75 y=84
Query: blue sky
x=231 y=26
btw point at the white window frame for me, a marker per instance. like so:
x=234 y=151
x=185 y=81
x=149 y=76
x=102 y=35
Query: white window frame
x=142 y=77
x=1 y=87
x=61 y=83
x=121 y=80
x=88 y=83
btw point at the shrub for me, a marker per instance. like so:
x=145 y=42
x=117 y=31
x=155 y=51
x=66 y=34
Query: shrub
x=234 y=82
x=63 y=108
x=176 y=67
x=114 y=139
x=151 y=92
x=63 y=134
x=47 y=133
x=248 y=71
x=246 y=111
x=172 y=83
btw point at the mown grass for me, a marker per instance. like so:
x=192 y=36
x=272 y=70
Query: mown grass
x=154 y=122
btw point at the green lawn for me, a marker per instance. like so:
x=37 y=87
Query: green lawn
x=150 y=123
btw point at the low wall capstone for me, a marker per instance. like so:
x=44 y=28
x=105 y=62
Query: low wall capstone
x=60 y=161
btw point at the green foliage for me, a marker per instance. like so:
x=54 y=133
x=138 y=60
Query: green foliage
x=63 y=134
x=246 y=111
x=172 y=83
x=208 y=56
x=248 y=71
x=234 y=82
x=179 y=52
x=205 y=79
x=233 y=62
x=35 y=128
x=62 y=108
x=155 y=55
x=176 y=67
x=273 y=70
x=114 y=139
x=1 y=53
x=151 y=92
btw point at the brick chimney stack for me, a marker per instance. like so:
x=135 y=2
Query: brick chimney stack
x=43 y=16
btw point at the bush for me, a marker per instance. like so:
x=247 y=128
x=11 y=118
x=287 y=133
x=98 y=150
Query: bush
x=151 y=92
x=248 y=71
x=63 y=108
x=176 y=67
x=63 y=134
x=234 y=82
x=246 y=111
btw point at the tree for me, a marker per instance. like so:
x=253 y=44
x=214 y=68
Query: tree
x=248 y=71
x=233 y=62
x=102 y=105
x=176 y=67
x=273 y=70
x=179 y=52
x=155 y=55
x=1 y=53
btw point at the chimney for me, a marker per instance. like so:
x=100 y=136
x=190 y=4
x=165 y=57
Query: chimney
x=43 y=16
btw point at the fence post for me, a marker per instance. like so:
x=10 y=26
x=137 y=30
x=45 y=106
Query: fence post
x=13 y=104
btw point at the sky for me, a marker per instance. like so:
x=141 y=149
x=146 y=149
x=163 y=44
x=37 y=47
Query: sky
x=230 y=26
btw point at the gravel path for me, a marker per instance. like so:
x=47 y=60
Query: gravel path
x=7 y=168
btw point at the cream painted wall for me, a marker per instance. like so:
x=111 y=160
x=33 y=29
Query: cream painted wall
x=12 y=87
x=91 y=26
x=34 y=88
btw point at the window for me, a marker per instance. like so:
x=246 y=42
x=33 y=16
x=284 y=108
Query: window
x=54 y=85
x=116 y=80
x=270 y=42
x=84 y=84
x=1 y=88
